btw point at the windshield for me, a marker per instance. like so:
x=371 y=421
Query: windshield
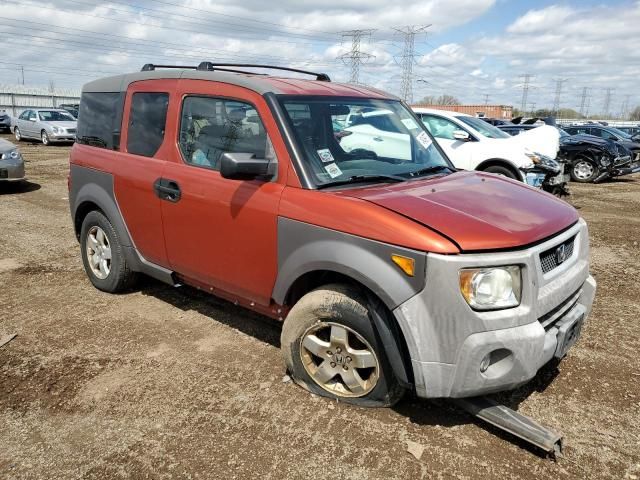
x=55 y=116
x=620 y=133
x=350 y=140
x=484 y=128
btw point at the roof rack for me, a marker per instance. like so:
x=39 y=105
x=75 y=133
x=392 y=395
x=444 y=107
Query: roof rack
x=210 y=66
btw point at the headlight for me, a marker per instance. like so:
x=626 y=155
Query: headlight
x=605 y=161
x=56 y=129
x=491 y=288
x=543 y=161
x=13 y=155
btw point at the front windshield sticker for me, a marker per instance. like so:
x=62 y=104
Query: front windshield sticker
x=325 y=155
x=424 y=139
x=333 y=170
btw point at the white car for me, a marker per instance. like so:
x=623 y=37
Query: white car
x=376 y=131
x=473 y=144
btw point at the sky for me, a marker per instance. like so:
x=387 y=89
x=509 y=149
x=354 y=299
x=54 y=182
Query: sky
x=475 y=50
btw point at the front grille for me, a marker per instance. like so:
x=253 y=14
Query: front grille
x=71 y=130
x=553 y=257
x=4 y=173
x=622 y=161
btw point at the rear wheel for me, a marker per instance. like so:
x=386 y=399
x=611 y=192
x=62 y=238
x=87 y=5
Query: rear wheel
x=584 y=171
x=500 y=170
x=102 y=255
x=330 y=348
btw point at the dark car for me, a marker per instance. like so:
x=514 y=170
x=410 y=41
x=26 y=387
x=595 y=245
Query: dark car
x=71 y=108
x=608 y=133
x=588 y=158
x=633 y=131
x=5 y=122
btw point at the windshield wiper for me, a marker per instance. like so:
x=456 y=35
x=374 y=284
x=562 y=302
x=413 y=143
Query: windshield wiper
x=432 y=169
x=364 y=179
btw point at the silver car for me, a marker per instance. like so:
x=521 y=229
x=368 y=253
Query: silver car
x=48 y=125
x=11 y=163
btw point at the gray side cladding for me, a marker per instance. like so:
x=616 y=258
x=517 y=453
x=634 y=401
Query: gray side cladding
x=96 y=187
x=304 y=248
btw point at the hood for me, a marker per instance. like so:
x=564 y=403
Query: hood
x=544 y=140
x=630 y=144
x=583 y=138
x=477 y=211
x=6 y=146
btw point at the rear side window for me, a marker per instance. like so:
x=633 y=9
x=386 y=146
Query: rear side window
x=147 y=123
x=99 y=119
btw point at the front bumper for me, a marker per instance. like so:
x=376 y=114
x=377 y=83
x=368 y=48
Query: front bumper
x=62 y=137
x=12 y=170
x=447 y=340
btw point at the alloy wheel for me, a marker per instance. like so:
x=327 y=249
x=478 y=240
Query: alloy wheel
x=16 y=132
x=98 y=252
x=45 y=138
x=339 y=360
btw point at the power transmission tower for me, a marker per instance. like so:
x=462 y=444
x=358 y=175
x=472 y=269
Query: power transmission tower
x=355 y=57
x=22 y=72
x=607 y=102
x=533 y=108
x=527 y=77
x=583 y=100
x=407 y=58
x=486 y=99
x=556 y=102
x=624 y=110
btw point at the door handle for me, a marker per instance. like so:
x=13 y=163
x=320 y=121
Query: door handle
x=168 y=190
x=377 y=139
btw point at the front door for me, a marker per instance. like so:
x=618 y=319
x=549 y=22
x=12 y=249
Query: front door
x=458 y=151
x=222 y=233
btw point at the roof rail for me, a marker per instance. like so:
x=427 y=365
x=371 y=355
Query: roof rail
x=148 y=67
x=210 y=66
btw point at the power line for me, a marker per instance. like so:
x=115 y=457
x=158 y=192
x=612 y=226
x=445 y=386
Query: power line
x=407 y=58
x=556 y=102
x=355 y=57
x=527 y=77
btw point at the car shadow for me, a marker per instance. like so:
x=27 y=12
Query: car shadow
x=421 y=412
x=26 y=186
x=187 y=298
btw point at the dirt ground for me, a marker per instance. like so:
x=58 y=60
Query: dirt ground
x=171 y=383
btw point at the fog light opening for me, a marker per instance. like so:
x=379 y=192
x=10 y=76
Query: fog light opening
x=486 y=361
x=496 y=363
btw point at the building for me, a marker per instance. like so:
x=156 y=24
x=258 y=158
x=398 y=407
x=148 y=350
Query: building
x=489 y=111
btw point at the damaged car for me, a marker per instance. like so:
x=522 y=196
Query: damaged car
x=593 y=159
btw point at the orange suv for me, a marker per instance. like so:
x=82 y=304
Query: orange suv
x=390 y=269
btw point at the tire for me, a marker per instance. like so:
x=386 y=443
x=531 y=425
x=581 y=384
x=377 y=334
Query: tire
x=114 y=275
x=500 y=170
x=44 y=137
x=18 y=135
x=334 y=322
x=584 y=170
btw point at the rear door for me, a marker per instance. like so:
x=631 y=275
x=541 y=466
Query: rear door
x=139 y=167
x=223 y=233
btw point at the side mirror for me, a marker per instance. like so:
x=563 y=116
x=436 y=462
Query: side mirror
x=245 y=166
x=461 y=135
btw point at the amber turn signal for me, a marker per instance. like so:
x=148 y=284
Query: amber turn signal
x=408 y=265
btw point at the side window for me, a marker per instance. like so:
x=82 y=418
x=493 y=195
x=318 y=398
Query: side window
x=24 y=115
x=147 y=122
x=211 y=126
x=99 y=119
x=607 y=135
x=440 y=127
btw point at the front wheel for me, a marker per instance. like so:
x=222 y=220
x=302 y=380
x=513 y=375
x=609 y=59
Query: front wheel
x=500 y=170
x=45 y=138
x=330 y=348
x=18 y=135
x=584 y=171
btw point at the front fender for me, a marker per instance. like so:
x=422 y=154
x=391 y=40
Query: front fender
x=304 y=248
